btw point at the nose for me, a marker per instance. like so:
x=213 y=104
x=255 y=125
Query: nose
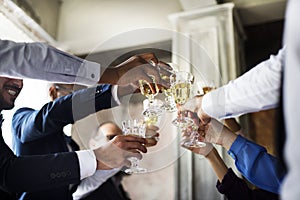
x=18 y=83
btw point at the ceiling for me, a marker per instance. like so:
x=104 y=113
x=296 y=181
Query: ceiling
x=82 y=26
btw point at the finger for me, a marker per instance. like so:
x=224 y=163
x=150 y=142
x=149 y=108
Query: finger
x=135 y=146
x=136 y=154
x=152 y=127
x=132 y=138
x=150 y=58
x=151 y=142
x=165 y=68
x=127 y=163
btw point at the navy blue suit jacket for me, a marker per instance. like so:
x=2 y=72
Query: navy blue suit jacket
x=38 y=132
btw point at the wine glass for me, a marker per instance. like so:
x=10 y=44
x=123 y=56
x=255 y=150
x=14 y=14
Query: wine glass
x=151 y=120
x=192 y=140
x=181 y=85
x=202 y=87
x=136 y=128
x=169 y=105
x=145 y=88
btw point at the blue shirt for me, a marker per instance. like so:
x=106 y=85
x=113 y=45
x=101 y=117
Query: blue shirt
x=256 y=165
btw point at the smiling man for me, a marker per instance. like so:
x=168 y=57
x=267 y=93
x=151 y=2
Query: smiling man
x=33 y=173
x=9 y=89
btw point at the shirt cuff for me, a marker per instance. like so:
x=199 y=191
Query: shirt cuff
x=237 y=146
x=114 y=92
x=87 y=163
x=89 y=73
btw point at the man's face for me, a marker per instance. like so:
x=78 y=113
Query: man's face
x=9 y=91
x=109 y=131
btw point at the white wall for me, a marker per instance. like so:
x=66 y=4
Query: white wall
x=85 y=24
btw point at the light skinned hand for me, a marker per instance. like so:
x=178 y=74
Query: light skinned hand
x=195 y=105
x=115 y=153
x=217 y=133
x=198 y=150
x=204 y=151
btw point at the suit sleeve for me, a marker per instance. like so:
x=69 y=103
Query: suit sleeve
x=29 y=124
x=41 y=61
x=30 y=173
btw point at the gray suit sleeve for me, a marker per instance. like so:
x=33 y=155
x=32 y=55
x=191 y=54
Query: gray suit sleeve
x=41 y=61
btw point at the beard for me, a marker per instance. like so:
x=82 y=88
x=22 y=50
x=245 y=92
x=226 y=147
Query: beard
x=6 y=104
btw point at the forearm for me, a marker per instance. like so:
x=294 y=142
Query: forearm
x=217 y=164
x=252 y=161
x=256 y=90
x=109 y=76
x=32 y=173
x=41 y=61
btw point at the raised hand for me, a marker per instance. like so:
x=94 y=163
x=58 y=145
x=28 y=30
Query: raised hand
x=138 y=67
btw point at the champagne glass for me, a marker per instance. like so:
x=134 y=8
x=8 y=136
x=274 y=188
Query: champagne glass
x=192 y=140
x=169 y=105
x=136 y=128
x=151 y=120
x=145 y=88
x=181 y=84
x=202 y=87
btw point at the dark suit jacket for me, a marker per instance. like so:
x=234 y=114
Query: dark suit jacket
x=39 y=132
x=36 y=172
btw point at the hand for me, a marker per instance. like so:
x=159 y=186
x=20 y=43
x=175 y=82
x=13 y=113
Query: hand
x=195 y=105
x=204 y=151
x=151 y=135
x=115 y=153
x=138 y=67
x=216 y=132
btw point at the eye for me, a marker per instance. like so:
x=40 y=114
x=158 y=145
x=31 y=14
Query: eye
x=110 y=137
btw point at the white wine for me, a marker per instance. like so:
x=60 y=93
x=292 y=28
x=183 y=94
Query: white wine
x=146 y=90
x=181 y=92
x=167 y=91
x=207 y=89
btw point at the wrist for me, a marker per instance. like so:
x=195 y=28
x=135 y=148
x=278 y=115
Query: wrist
x=227 y=138
x=110 y=76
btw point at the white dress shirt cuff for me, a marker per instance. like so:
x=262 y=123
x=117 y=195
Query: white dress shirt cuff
x=87 y=163
x=114 y=92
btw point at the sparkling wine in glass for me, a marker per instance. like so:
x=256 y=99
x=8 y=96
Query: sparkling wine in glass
x=136 y=128
x=181 y=84
x=145 y=88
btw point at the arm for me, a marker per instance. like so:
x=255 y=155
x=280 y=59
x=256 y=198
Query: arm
x=256 y=90
x=235 y=188
x=31 y=173
x=41 y=61
x=228 y=183
x=29 y=124
x=252 y=160
x=259 y=167
x=217 y=164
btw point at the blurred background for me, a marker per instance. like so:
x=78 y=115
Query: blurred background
x=218 y=40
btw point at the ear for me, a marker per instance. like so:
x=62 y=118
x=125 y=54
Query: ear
x=52 y=93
